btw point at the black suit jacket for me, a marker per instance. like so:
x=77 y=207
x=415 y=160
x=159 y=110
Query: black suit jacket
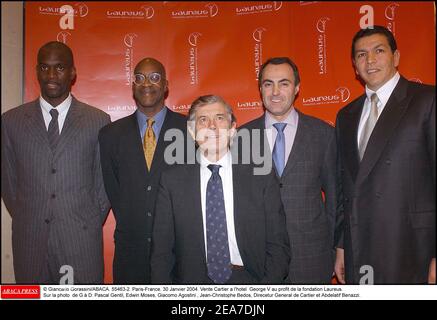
x=132 y=191
x=178 y=249
x=309 y=171
x=389 y=198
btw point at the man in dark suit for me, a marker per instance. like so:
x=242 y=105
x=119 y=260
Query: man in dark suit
x=216 y=222
x=303 y=149
x=132 y=154
x=386 y=141
x=52 y=181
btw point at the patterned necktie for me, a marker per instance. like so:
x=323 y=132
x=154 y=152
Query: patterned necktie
x=369 y=125
x=218 y=254
x=149 y=143
x=279 y=148
x=53 y=131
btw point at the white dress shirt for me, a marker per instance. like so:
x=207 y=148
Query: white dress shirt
x=383 y=94
x=289 y=131
x=225 y=173
x=62 y=109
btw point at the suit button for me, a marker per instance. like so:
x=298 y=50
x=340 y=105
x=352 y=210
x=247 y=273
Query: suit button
x=149 y=214
x=281 y=185
x=47 y=221
x=388 y=162
x=53 y=170
x=346 y=199
x=53 y=196
x=149 y=188
x=149 y=239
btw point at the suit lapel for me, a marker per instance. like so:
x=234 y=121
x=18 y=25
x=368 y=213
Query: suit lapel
x=384 y=128
x=71 y=126
x=301 y=142
x=350 y=144
x=194 y=207
x=35 y=124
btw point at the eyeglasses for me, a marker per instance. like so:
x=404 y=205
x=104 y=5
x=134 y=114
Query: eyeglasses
x=140 y=79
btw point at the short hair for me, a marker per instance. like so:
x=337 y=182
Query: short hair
x=371 y=31
x=206 y=100
x=57 y=45
x=276 y=61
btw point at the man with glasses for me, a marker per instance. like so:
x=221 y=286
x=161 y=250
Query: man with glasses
x=132 y=155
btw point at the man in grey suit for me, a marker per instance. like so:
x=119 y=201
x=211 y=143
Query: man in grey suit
x=304 y=155
x=216 y=222
x=51 y=179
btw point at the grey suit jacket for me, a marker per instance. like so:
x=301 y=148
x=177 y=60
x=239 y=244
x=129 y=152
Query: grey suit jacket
x=309 y=171
x=56 y=194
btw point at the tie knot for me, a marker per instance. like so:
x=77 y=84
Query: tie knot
x=280 y=126
x=214 y=168
x=374 y=98
x=150 y=122
x=54 y=113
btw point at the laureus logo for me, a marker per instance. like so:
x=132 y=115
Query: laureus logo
x=257 y=34
x=321 y=24
x=82 y=8
x=213 y=9
x=129 y=39
x=62 y=36
x=344 y=93
x=277 y=5
x=258 y=49
x=390 y=11
x=192 y=38
x=148 y=11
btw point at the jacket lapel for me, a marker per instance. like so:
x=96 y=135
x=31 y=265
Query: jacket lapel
x=194 y=206
x=71 y=126
x=349 y=138
x=384 y=128
x=301 y=142
x=36 y=125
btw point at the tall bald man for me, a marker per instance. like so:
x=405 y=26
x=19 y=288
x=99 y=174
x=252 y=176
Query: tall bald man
x=132 y=152
x=52 y=180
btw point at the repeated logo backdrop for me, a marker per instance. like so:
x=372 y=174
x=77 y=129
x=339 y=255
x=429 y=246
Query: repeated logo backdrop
x=218 y=48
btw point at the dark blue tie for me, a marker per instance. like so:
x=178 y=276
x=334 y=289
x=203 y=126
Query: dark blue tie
x=279 y=148
x=218 y=254
x=53 y=131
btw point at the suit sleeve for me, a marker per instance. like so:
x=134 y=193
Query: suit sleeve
x=329 y=181
x=104 y=204
x=431 y=150
x=162 y=259
x=339 y=209
x=8 y=176
x=109 y=167
x=277 y=246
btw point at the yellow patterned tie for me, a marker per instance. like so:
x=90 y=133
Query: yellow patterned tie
x=149 y=143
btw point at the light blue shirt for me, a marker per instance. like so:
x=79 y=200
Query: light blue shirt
x=159 y=121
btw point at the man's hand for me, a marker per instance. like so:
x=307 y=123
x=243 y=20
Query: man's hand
x=431 y=273
x=339 y=266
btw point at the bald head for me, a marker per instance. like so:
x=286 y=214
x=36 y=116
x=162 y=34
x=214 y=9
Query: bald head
x=58 y=47
x=152 y=63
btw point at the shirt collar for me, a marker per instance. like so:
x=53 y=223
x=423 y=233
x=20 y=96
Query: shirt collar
x=385 y=91
x=290 y=120
x=62 y=107
x=225 y=161
x=159 y=119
